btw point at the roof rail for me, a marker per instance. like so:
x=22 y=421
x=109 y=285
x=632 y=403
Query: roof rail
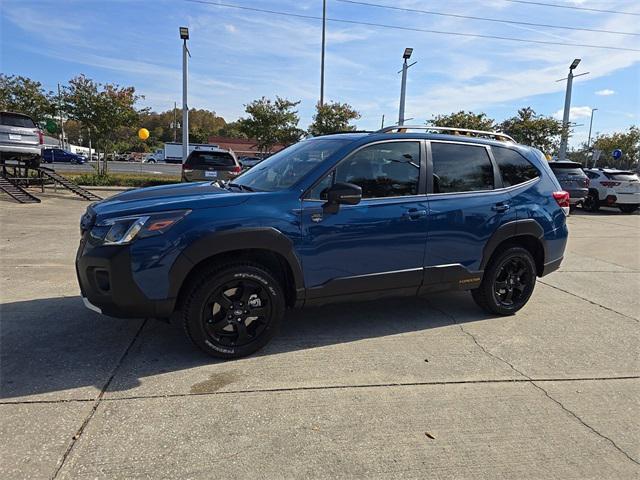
x=453 y=130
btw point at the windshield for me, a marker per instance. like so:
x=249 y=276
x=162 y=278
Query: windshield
x=286 y=167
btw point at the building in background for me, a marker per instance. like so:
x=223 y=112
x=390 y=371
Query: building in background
x=242 y=147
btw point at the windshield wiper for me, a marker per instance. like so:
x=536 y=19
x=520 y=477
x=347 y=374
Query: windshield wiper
x=241 y=187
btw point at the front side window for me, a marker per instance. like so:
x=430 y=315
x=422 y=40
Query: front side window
x=460 y=168
x=381 y=170
x=514 y=168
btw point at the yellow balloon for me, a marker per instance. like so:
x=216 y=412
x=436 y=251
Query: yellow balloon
x=143 y=134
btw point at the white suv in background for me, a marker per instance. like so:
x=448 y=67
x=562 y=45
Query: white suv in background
x=612 y=188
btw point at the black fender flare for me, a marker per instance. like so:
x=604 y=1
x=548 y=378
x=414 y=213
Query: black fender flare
x=515 y=228
x=262 y=238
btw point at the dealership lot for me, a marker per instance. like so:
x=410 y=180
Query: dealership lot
x=412 y=388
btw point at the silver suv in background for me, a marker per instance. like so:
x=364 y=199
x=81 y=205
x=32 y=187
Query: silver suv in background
x=210 y=165
x=572 y=179
x=20 y=138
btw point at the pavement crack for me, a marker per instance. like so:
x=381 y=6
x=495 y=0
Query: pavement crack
x=97 y=401
x=534 y=384
x=574 y=415
x=590 y=301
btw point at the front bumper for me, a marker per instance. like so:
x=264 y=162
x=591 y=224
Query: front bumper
x=108 y=287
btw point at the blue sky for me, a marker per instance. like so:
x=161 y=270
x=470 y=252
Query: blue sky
x=238 y=55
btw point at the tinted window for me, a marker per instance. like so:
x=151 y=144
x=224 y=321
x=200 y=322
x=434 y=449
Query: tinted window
x=460 y=168
x=14 y=120
x=514 y=168
x=567 y=171
x=286 y=167
x=383 y=170
x=624 y=176
x=211 y=159
x=592 y=175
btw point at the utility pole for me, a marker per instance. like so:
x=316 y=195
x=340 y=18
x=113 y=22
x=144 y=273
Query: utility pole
x=184 y=35
x=590 y=126
x=564 y=139
x=324 y=27
x=403 y=86
x=175 y=121
x=60 y=118
x=382 y=124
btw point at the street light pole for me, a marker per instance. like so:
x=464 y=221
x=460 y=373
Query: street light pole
x=184 y=35
x=564 y=139
x=324 y=26
x=590 y=126
x=403 y=86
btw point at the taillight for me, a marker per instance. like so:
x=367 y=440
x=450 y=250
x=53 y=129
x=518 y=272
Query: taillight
x=236 y=170
x=562 y=199
x=587 y=182
x=40 y=137
x=186 y=168
x=609 y=184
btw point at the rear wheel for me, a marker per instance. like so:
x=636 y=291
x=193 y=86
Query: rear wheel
x=628 y=208
x=233 y=311
x=508 y=282
x=591 y=202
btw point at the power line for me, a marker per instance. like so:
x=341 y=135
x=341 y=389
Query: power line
x=485 y=19
x=555 y=5
x=412 y=29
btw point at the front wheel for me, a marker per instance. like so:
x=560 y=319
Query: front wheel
x=628 y=208
x=508 y=282
x=233 y=311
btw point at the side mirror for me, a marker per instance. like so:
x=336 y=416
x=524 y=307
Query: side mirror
x=342 y=194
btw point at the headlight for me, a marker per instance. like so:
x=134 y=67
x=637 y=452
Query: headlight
x=123 y=230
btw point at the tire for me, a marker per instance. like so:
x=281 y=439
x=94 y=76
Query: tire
x=508 y=282
x=630 y=208
x=591 y=202
x=233 y=310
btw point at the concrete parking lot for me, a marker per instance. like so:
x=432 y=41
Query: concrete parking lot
x=418 y=388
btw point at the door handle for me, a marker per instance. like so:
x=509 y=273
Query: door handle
x=500 y=207
x=414 y=214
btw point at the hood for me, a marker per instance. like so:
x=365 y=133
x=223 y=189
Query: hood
x=168 y=197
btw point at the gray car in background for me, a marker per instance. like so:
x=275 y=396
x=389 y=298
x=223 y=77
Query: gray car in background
x=210 y=164
x=573 y=180
x=20 y=138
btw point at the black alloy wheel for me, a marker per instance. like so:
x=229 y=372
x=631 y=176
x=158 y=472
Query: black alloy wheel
x=237 y=313
x=508 y=282
x=512 y=282
x=231 y=311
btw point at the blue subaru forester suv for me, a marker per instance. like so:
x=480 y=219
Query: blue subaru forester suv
x=345 y=217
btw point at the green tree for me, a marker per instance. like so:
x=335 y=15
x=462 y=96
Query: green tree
x=107 y=111
x=628 y=141
x=462 y=119
x=232 y=130
x=271 y=122
x=332 y=117
x=23 y=95
x=535 y=130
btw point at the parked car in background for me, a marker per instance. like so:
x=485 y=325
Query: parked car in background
x=248 y=162
x=613 y=188
x=20 y=138
x=50 y=155
x=212 y=164
x=572 y=179
x=334 y=218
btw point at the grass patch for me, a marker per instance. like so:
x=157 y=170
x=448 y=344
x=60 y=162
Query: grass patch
x=121 y=179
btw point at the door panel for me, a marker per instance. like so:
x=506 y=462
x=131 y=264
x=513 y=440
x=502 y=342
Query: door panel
x=378 y=236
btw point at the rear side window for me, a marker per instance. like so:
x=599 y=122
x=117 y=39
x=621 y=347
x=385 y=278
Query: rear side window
x=514 y=168
x=211 y=159
x=13 y=120
x=623 y=176
x=460 y=168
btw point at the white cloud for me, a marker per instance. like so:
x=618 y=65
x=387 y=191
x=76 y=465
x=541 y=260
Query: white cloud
x=574 y=113
x=230 y=28
x=605 y=92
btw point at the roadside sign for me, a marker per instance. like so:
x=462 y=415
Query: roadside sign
x=616 y=154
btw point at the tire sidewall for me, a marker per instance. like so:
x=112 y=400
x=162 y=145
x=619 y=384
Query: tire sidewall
x=193 y=314
x=512 y=252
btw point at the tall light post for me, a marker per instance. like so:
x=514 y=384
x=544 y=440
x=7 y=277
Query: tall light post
x=184 y=35
x=590 y=126
x=324 y=26
x=403 y=87
x=567 y=107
